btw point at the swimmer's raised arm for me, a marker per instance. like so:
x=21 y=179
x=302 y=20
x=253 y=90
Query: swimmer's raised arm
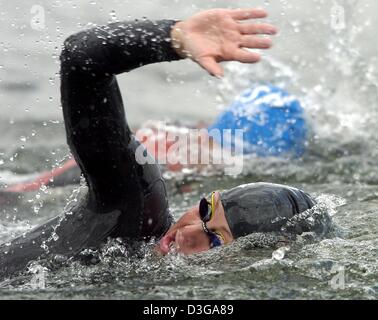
x=213 y=36
x=97 y=132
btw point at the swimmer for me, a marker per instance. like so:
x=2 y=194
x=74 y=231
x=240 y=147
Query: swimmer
x=273 y=123
x=127 y=199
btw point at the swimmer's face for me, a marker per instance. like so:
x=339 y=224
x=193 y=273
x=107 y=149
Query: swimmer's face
x=188 y=236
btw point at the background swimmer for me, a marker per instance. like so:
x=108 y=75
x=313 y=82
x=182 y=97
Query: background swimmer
x=273 y=121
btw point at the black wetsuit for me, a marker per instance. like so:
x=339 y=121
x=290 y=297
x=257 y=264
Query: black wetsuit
x=125 y=199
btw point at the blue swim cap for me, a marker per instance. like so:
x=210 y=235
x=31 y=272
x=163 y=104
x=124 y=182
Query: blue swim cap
x=272 y=120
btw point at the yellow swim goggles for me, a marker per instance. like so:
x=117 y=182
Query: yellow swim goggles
x=207 y=210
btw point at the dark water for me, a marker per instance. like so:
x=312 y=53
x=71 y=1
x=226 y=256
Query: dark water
x=335 y=76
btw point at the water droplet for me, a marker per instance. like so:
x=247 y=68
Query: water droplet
x=280 y=253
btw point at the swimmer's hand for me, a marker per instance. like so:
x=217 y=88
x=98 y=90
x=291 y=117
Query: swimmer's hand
x=217 y=35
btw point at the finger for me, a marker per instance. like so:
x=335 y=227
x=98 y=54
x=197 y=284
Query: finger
x=254 y=42
x=257 y=28
x=246 y=56
x=245 y=14
x=211 y=66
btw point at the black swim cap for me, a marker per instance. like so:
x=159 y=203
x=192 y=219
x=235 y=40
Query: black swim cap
x=262 y=207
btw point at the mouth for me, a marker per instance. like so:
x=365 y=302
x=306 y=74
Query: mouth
x=166 y=242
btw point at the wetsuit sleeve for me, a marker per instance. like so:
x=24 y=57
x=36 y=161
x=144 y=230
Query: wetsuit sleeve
x=125 y=198
x=97 y=132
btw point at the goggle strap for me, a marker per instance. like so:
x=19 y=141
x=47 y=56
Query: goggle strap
x=221 y=236
x=212 y=203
